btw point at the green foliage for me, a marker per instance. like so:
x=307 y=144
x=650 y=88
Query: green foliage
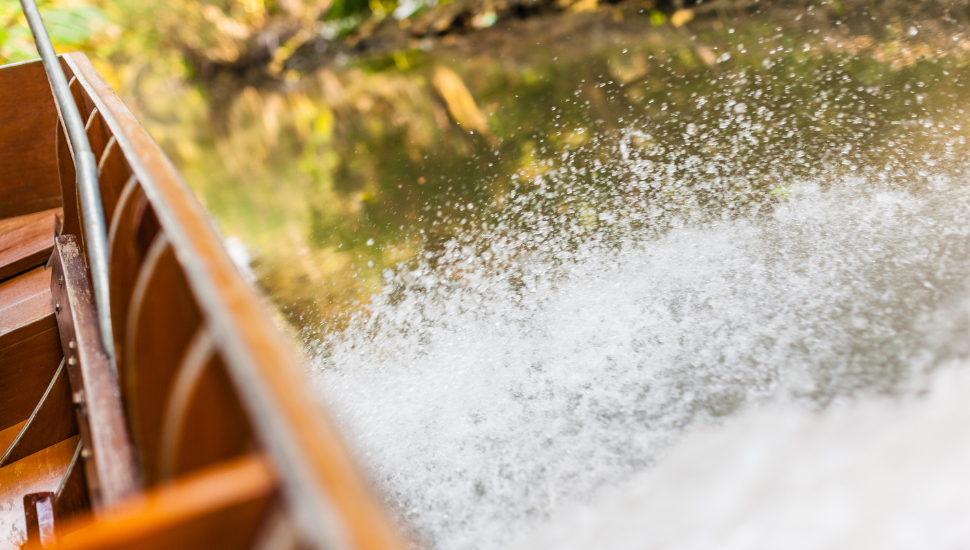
x=71 y=26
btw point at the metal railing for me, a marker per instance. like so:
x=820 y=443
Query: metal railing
x=86 y=167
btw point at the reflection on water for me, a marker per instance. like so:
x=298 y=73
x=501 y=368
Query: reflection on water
x=366 y=166
x=521 y=279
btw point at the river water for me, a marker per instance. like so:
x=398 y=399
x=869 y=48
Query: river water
x=540 y=369
x=711 y=293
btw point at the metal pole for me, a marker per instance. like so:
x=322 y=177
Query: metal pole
x=86 y=166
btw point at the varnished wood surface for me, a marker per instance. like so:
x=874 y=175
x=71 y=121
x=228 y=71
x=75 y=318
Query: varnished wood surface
x=25 y=306
x=72 y=495
x=113 y=174
x=28 y=171
x=26 y=368
x=331 y=503
x=68 y=179
x=220 y=507
x=8 y=435
x=26 y=241
x=51 y=422
x=113 y=475
x=125 y=255
x=161 y=304
x=38 y=473
x=204 y=421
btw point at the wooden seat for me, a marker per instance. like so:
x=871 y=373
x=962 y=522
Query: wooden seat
x=30 y=350
x=24 y=300
x=26 y=241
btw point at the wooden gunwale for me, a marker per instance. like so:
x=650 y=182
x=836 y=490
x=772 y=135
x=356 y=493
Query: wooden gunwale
x=330 y=503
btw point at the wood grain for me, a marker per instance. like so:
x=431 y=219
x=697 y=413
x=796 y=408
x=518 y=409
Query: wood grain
x=26 y=241
x=161 y=320
x=8 y=435
x=67 y=176
x=25 y=302
x=72 y=495
x=330 y=501
x=98 y=135
x=113 y=174
x=204 y=421
x=216 y=508
x=26 y=368
x=38 y=473
x=111 y=472
x=133 y=227
x=28 y=167
x=51 y=422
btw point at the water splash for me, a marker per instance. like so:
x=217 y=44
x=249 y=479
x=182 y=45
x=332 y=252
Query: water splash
x=876 y=474
x=522 y=370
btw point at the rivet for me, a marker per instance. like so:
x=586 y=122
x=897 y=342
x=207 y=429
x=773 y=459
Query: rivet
x=71 y=344
x=57 y=307
x=60 y=281
x=85 y=453
x=72 y=361
x=78 y=396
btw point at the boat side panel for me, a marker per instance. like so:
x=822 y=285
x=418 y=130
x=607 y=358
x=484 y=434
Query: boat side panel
x=28 y=169
x=161 y=320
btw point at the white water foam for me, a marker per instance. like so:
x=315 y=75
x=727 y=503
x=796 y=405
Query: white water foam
x=481 y=401
x=876 y=474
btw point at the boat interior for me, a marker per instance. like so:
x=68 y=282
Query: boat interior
x=194 y=427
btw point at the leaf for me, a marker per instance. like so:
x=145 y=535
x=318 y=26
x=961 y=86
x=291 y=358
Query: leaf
x=73 y=26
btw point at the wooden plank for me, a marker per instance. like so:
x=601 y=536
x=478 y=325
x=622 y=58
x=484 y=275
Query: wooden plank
x=330 y=501
x=216 y=508
x=38 y=473
x=51 y=422
x=39 y=517
x=124 y=259
x=161 y=320
x=98 y=135
x=110 y=462
x=25 y=370
x=25 y=306
x=113 y=174
x=28 y=166
x=67 y=176
x=204 y=421
x=8 y=435
x=26 y=241
x=73 y=498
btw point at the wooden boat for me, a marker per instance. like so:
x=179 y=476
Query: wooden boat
x=189 y=425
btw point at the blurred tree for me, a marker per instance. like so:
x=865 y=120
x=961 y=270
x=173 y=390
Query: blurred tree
x=72 y=24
